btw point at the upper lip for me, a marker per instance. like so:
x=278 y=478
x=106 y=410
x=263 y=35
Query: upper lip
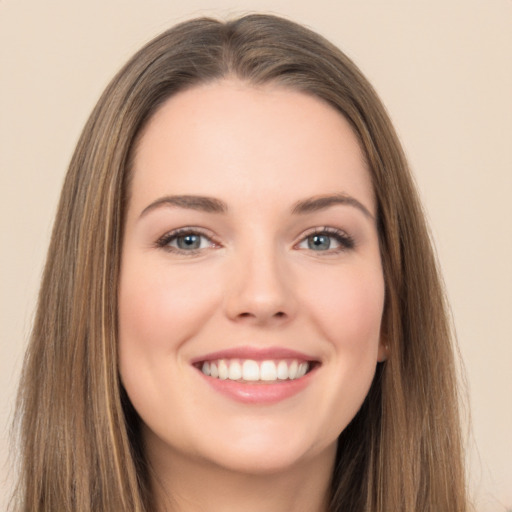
x=256 y=354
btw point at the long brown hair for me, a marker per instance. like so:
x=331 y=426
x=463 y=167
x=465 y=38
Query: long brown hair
x=79 y=436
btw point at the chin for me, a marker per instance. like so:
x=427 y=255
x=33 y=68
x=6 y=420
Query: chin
x=266 y=455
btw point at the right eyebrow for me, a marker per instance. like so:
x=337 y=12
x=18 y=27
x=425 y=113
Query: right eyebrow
x=317 y=203
x=201 y=203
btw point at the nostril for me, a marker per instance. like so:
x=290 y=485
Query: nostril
x=248 y=314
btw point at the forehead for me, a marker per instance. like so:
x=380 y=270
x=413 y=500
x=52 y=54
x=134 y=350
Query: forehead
x=229 y=137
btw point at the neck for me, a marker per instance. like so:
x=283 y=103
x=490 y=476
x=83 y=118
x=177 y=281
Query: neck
x=182 y=485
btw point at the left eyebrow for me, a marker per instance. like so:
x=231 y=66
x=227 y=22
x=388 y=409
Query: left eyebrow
x=201 y=203
x=317 y=203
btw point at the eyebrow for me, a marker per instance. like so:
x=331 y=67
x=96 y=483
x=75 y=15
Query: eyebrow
x=200 y=203
x=213 y=205
x=317 y=203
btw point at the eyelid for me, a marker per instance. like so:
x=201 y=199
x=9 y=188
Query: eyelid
x=346 y=242
x=164 y=240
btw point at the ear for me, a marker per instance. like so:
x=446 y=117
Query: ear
x=383 y=352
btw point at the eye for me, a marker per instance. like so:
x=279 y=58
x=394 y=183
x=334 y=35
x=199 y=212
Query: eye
x=327 y=240
x=185 y=240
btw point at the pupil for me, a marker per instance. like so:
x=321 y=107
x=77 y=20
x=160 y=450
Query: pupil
x=321 y=242
x=189 y=242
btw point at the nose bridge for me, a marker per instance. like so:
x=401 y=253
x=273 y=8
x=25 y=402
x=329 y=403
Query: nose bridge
x=259 y=287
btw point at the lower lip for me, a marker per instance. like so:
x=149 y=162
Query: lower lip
x=260 y=393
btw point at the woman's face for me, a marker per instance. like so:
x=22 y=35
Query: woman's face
x=250 y=256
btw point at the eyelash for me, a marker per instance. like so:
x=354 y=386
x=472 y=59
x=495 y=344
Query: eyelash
x=164 y=241
x=345 y=241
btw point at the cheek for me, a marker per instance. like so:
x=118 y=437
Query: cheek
x=158 y=308
x=348 y=308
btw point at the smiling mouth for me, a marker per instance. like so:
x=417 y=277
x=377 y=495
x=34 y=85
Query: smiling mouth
x=252 y=371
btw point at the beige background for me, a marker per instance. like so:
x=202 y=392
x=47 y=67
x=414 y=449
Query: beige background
x=442 y=67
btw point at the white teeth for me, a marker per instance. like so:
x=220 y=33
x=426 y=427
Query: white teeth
x=235 y=371
x=223 y=370
x=292 y=371
x=303 y=368
x=268 y=370
x=252 y=371
x=282 y=370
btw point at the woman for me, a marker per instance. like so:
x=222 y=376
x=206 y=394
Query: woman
x=241 y=307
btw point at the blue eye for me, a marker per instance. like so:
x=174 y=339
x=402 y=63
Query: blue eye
x=319 y=242
x=185 y=240
x=327 y=240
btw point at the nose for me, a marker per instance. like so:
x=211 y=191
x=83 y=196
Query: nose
x=260 y=289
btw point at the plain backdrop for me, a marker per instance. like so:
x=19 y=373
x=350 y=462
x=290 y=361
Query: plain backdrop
x=444 y=70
